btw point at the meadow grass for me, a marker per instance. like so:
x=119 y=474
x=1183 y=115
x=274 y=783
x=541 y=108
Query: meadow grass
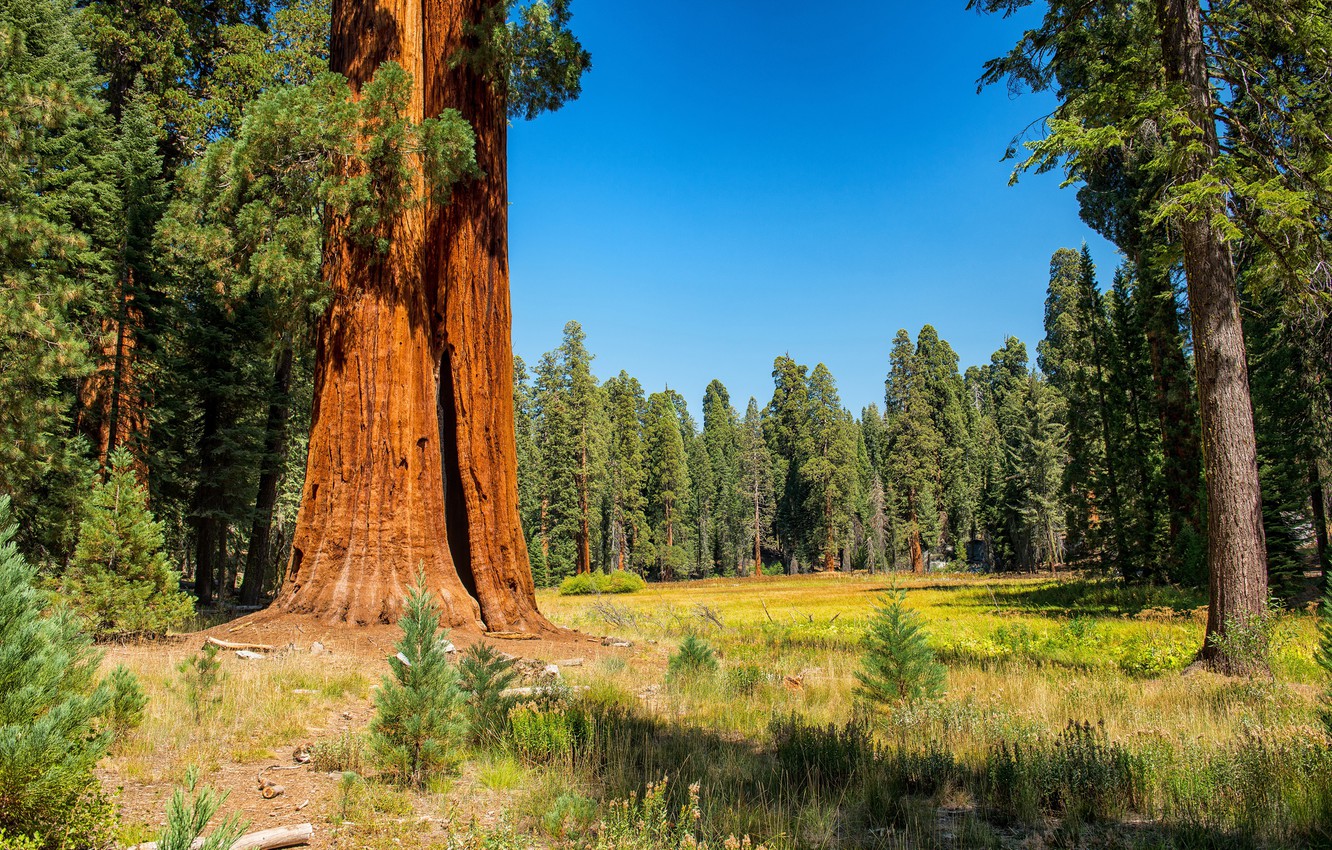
x=1051 y=680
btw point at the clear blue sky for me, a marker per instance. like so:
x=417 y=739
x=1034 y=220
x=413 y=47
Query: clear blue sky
x=741 y=180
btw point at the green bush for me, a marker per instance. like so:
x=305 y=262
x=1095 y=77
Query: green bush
x=338 y=755
x=52 y=715
x=415 y=733
x=623 y=581
x=119 y=579
x=695 y=659
x=587 y=584
x=746 y=679
x=583 y=584
x=541 y=735
x=127 y=702
x=484 y=676
x=898 y=667
x=1080 y=775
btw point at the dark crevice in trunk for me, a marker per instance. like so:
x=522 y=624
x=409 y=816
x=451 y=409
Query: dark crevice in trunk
x=455 y=503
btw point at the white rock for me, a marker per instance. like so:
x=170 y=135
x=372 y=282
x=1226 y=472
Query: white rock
x=249 y=656
x=551 y=670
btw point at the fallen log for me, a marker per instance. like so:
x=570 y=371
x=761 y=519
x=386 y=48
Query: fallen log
x=247 y=647
x=265 y=839
x=271 y=791
x=512 y=635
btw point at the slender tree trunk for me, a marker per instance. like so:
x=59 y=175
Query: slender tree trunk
x=413 y=464
x=913 y=535
x=1319 y=516
x=1236 y=550
x=829 y=548
x=1179 y=428
x=758 y=534
x=275 y=439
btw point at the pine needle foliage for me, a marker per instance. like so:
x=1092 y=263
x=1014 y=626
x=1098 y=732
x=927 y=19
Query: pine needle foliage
x=199 y=677
x=898 y=667
x=127 y=702
x=485 y=674
x=187 y=815
x=694 y=659
x=415 y=734
x=119 y=579
x=50 y=710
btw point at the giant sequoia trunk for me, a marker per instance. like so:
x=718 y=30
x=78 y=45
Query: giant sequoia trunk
x=1236 y=550
x=413 y=460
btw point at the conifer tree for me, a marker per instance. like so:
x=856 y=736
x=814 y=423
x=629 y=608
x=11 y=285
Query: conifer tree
x=119 y=579
x=756 y=483
x=417 y=728
x=787 y=430
x=914 y=448
x=668 y=484
x=721 y=442
x=829 y=471
x=628 y=537
x=51 y=705
x=898 y=666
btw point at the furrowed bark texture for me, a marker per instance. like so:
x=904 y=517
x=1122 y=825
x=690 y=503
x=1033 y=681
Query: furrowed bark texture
x=1236 y=549
x=413 y=461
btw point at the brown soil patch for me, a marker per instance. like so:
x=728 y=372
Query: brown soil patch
x=311 y=796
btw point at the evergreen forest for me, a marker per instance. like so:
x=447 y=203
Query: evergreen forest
x=258 y=391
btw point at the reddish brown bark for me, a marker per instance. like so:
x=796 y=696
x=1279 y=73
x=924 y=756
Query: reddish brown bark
x=1236 y=548
x=413 y=461
x=111 y=409
x=913 y=536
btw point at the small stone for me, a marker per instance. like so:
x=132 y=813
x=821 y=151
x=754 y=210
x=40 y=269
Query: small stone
x=316 y=648
x=551 y=670
x=247 y=655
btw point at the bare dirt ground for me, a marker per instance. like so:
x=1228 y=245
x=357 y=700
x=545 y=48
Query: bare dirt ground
x=311 y=648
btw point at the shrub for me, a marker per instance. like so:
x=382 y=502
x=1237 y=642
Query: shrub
x=1080 y=775
x=119 y=579
x=51 y=707
x=127 y=702
x=200 y=676
x=821 y=757
x=586 y=584
x=539 y=734
x=583 y=584
x=746 y=679
x=898 y=666
x=623 y=581
x=694 y=659
x=484 y=676
x=187 y=815
x=415 y=733
x=338 y=755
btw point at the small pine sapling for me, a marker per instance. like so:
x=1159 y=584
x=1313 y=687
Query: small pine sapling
x=485 y=674
x=187 y=815
x=200 y=677
x=694 y=659
x=415 y=733
x=127 y=702
x=119 y=579
x=898 y=667
x=52 y=712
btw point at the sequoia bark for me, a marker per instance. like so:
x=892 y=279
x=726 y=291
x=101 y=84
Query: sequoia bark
x=413 y=460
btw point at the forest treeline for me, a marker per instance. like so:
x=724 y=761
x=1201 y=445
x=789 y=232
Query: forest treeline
x=166 y=173
x=1089 y=455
